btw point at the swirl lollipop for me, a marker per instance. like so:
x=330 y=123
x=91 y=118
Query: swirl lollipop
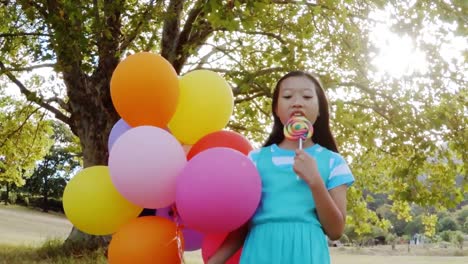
x=298 y=128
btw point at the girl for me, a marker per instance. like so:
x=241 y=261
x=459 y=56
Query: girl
x=295 y=214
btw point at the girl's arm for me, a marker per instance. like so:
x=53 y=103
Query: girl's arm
x=331 y=208
x=231 y=245
x=330 y=205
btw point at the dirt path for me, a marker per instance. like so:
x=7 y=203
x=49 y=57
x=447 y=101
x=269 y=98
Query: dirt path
x=23 y=226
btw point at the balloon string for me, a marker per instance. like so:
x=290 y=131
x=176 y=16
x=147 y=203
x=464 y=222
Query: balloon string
x=178 y=234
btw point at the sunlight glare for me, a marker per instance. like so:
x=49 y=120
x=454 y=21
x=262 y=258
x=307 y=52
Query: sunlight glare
x=397 y=55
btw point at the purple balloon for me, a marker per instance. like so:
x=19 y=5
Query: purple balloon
x=218 y=190
x=192 y=238
x=117 y=130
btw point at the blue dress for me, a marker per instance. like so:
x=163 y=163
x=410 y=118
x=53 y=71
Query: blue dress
x=285 y=228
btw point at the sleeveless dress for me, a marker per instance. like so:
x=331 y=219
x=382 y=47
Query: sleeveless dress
x=285 y=228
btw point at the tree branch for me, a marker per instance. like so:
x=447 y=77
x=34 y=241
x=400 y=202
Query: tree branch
x=34 y=139
x=29 y=68
x=32 y=97
x=268 y=34
x=249 y=98
x=286 y=2
x=364 y=89
x=144 y=19
x=171 y=30
x=239 y=127
x=19 y=127
x=60 y=102
x=23 y=34
x=374 y=108
x=190 y=22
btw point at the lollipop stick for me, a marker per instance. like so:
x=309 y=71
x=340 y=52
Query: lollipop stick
x=300 y=147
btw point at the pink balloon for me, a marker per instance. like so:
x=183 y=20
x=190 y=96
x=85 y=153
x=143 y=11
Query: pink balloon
x=192 y=238
x=210 y=245
x=218 y=190
x=144 y=163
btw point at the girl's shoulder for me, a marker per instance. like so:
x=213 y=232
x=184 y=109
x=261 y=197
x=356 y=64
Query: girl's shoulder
x=254 y=154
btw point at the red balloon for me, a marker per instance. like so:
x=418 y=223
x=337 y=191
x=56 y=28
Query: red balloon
x=227 y=139
x=211 y=243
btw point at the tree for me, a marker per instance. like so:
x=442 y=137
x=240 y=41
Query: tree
x=53 y=172
x=24 y=138
x=252 y=43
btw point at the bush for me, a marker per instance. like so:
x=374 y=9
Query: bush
x=457 y=239
x=54 y=204
x=344 y=239
x=462 y=216
x=446 y=235
x=447 y=223
x=22 y=199
x=12 y=197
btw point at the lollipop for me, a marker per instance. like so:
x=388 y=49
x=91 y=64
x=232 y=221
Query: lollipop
x=298 y=128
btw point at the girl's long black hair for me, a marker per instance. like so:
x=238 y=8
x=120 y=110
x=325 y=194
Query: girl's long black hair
x=322 y=133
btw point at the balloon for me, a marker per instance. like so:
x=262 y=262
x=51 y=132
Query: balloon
x=193 y=239
x=218 y=191
x=186 y=148
x=146 y=240
x=228 y=139
x=210 y=245
x=205 y=105
x=144 y=163
x=145 y=90
x=117 y=130
x=93 y=205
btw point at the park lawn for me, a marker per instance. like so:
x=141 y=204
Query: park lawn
x=31 y=237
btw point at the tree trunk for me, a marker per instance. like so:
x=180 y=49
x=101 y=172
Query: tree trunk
x=45 y=196
x=7 y=194
x=92 y=118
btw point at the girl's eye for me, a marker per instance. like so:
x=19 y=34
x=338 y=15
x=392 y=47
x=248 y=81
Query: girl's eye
x=287 y=96
x=308 y=97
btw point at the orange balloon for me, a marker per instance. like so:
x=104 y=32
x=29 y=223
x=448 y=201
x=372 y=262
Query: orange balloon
x=145 y=240
x=145 y=90
x=226 y=139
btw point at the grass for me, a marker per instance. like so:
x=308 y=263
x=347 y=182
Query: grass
x=50 y=252
x=53 y=252
x=32 y=237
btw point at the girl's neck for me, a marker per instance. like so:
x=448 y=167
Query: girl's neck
x=294 y=144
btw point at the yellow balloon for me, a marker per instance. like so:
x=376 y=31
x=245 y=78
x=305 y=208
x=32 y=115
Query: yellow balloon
x=93 y=205
x=205 y=105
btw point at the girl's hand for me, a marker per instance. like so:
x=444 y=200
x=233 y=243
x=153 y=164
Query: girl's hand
x=306 y=167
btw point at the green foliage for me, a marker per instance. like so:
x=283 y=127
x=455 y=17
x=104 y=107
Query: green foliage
x=447 y=224
x=53 y=172
x=462 y=215
x=397 y=225
x=446 y=235
x=404 y=136
x=414 y=227
x=344 y=239
x=24 y=138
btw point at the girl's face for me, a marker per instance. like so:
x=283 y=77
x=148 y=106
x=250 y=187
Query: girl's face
x=297 y=96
